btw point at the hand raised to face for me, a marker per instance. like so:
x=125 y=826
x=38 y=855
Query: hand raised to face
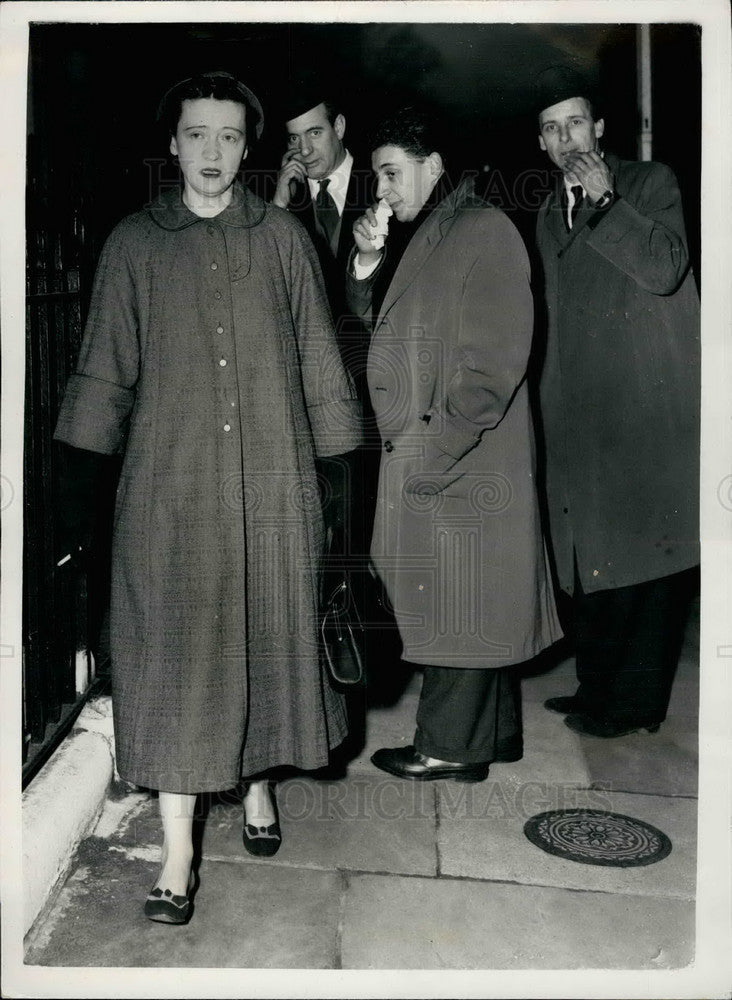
x=365 y=231
x=292 y=172
x=591 y=172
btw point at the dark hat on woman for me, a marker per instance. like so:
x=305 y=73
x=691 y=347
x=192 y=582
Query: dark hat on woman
x=218 y=84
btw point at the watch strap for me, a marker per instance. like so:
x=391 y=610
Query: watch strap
x=605 y=200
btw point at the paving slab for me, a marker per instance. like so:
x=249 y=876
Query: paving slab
x=416 y=923
x=662 y=763
x=483 y=838
x=684 y=701
x=552 y=752
x=245 y=916
x=365 y=823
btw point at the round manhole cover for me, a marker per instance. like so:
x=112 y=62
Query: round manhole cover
x=593 y=837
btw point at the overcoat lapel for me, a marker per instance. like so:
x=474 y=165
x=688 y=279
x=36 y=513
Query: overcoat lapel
x=554 y=210
x=583 y=216
x=554 y=216
x=421 y=247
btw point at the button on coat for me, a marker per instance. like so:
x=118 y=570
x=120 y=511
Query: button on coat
x=218 y=530
x=457 y=537
x=620 y=384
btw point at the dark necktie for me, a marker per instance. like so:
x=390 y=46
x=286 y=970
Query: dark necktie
x=327 y=212
x=577 y=192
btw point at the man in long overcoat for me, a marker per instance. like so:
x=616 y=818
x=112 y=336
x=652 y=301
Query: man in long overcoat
x=457 y=537
x=620 y=411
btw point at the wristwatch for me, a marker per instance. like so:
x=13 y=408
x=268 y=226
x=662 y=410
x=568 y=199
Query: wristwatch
x=605 y=199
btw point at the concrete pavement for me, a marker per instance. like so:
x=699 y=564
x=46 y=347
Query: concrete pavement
x=380 y=873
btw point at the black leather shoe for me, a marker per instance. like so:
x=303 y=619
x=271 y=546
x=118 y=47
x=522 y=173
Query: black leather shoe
x=406 y=762
x=165 y=908
x=564 y=704
x=263 y=841
x=588 y=726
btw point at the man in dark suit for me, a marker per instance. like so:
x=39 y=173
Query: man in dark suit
x=319 y=182
x=620 y=412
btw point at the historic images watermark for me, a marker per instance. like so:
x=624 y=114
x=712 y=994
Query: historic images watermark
x=365 y=799
x=525 y=190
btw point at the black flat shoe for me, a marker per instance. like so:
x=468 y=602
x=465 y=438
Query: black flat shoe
x=588 y=726
x=263 y=841
x=165 y=908
x=406 y=762
x=565 y=704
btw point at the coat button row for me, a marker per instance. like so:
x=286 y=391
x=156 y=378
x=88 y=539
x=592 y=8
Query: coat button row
x=227 y=427
x=214 y=266
x=223 y=362
x=219 y=329
x=388 y=446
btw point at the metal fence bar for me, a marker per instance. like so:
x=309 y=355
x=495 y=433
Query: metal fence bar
x=56 y=665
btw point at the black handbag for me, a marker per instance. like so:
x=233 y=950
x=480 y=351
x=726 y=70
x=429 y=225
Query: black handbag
x=341 y=631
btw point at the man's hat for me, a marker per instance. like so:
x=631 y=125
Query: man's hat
x=306 y=92
x=560 y=83
x=249 y=98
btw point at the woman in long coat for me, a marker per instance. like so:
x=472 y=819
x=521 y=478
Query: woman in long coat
x=209 y=359
x=457 y=536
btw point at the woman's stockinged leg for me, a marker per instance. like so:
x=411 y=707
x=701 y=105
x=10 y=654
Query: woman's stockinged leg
x=262 y=834
x=258 y=807
x=176 y=813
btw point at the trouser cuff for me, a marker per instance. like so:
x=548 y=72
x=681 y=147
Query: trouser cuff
x=507 y=750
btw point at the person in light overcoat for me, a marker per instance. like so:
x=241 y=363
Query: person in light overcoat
x=457 y=536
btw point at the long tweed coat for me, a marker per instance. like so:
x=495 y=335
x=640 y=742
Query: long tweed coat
x=209 y=359
x=457 y=538
x=620 y=384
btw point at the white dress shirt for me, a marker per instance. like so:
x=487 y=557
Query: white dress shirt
x=571 y=198
x=339 y=181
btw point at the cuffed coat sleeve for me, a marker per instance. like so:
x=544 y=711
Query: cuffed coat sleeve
x=101 y=393
x=646 y=240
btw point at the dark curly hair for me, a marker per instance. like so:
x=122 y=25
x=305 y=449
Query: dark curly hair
x=417 y=130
